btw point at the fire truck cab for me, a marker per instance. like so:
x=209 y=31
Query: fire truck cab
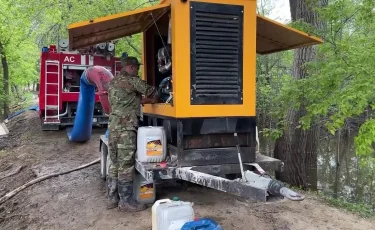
x=60 y=73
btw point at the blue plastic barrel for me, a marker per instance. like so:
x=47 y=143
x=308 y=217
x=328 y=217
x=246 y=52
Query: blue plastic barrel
x=202 y=224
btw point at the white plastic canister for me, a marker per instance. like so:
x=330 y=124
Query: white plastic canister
x=144 y=190
x=171 y=215
x=151 y=144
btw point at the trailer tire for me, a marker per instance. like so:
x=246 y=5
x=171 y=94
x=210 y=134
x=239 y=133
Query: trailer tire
x=103 y=161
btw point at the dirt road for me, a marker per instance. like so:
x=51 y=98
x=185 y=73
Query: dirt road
x=77 y=200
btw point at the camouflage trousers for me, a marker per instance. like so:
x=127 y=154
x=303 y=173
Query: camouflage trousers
x=122 y=148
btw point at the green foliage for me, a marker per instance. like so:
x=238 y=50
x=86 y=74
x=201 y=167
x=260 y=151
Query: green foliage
x=24 y=56
x=365 y=139
x=363 y=210
x=340 y=85
x=273 y=77
x=338 y=91
x=25 y=27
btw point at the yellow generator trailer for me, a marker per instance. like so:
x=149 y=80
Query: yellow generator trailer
x=202 y=56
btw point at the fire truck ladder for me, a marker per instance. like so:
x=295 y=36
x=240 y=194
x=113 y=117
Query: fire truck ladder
x=54 y=118
x=117 y=63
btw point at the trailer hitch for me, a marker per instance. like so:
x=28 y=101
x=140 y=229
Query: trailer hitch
x=264 y=181
x=274 y=187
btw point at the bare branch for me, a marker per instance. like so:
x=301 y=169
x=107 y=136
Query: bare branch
x=132 y=46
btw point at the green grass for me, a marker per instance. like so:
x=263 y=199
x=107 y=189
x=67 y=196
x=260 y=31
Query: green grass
x=363 y=210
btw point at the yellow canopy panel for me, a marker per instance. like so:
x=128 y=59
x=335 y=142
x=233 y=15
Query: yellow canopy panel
x=275 y=37
x=112 y=27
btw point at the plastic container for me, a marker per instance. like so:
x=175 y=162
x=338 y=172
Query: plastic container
x=151 y=144
x=144 y=190
x=171 y=215
x=202 y=224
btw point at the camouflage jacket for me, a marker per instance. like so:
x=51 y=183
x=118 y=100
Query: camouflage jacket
x=125 y=94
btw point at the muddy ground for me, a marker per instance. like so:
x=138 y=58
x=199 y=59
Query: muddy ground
x=77 y=200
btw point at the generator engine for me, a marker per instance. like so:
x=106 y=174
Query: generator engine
x=164 y=62
x=165 y=90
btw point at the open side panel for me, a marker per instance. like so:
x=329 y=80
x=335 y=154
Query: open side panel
x=274 y=37
x=83 y=34
x=155 y=38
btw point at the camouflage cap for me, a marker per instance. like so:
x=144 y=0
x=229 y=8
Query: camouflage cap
x=130 y=61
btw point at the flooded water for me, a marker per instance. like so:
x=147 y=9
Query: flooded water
x=348 y=179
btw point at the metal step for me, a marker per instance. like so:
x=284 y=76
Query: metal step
x=51 y=121
x=52 y=117
x=52 y=62
x=55 y=83
x=52 y=72
x=52 y=107
x=52 y=94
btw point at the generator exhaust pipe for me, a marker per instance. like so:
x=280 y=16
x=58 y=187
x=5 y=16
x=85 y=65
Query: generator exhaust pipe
x=93 y=76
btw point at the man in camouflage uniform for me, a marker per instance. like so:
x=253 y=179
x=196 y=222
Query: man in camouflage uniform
x=125 y=98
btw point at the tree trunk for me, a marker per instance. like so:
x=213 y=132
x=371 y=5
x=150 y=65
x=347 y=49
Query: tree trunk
x=15 y=91
x=372 y=188
x=298 y=148
x=4 y=63
x=338 y=158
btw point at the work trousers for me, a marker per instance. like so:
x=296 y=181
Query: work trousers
x=122 y=148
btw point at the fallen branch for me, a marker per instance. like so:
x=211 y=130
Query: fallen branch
x=42 y=178
x=11 y=173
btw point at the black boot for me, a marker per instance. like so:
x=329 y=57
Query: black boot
x=113 y=197
x=127 y=202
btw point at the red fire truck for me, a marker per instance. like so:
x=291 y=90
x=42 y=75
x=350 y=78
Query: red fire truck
x=60 y=73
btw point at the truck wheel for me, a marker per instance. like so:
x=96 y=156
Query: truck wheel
x=103 y=161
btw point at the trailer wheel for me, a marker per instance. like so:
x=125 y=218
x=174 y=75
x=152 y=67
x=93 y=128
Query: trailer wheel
x=103 y=161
